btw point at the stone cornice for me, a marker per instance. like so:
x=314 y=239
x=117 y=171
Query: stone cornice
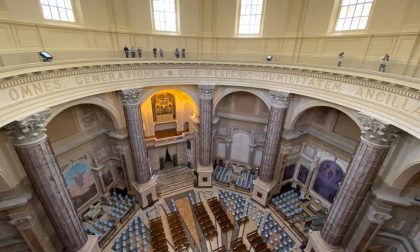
x=348 y=78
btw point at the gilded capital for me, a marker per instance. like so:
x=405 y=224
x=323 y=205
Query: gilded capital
x=28 y=130
x=131 y=96
x=207 y=91
x=376 y=131
x=279 y=99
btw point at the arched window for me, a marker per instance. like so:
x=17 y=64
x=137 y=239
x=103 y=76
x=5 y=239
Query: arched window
x=353 y=15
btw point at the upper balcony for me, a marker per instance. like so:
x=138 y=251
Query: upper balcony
x=22 y=60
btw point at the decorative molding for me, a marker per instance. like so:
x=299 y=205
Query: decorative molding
x=376 y=131
x=131 y=97
x=279 y=99
x=28 y=130
x=207 y=91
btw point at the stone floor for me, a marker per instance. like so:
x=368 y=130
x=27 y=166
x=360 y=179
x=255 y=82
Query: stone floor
x=194 y=233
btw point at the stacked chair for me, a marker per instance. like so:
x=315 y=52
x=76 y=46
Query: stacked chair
x=220 y=214
x=203 y=219
x=134 y=238
x=287 y=204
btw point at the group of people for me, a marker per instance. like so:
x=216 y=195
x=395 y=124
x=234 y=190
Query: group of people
x=132 y=52
x=382 y=65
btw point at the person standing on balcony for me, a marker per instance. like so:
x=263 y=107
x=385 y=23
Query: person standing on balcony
x=177 y=53
x=384 y=62
x=133 y=52
x=126 y=51
x=154 y=52
x=161 y=52
x=139 y=51
x=340 y=59
x=183 y=53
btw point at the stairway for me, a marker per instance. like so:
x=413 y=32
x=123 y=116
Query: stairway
x=173 y=179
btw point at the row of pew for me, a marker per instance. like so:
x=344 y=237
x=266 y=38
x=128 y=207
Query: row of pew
x=220 y=215
x=257 y=242
x=177 y=231
x=222 y=174
x=204 y=221
x=245 y=181
x=157 y=233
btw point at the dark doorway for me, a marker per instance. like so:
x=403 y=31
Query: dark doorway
x=168 y=158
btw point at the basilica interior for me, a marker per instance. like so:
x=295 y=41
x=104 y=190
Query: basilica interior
x=210 y=125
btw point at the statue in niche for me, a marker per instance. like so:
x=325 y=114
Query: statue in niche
x=163 y=107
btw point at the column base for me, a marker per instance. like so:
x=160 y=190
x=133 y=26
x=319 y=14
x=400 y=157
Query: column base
x=261 y=191
x=205 y=175
x=146 y=193
x=91 y=245
x=319 y=245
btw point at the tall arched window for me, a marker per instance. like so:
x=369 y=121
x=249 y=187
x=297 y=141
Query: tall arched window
x=353 y=15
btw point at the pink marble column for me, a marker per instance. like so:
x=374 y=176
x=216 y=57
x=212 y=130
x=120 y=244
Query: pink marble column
x=278 y=110
x=37 y=157
x=370 y=154
x=206 y=115
x=135 y=130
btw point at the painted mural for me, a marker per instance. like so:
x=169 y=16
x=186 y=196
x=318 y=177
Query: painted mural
x=303 y=174
x=80 y=183
x=288 y=172
x=328 y=179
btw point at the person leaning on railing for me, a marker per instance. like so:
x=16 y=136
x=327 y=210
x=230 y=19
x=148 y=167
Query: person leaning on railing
x=384 y=62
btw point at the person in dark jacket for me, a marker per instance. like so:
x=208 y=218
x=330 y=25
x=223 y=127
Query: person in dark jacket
x=126 y=51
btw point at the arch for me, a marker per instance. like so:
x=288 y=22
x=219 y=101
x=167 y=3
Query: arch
x=226 y=91
x=191 y=93
x=401 y=180
x=110 y=109
x=299 y=108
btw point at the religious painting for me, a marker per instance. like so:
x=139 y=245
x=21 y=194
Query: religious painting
x=303 y=174
x=107 y=177
x=163 y=107
x=288 y=172
x=328 y=180
x=80 y=182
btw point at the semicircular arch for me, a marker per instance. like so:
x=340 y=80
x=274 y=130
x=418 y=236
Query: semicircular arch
x=226 y=91
x=110 y=109
x=302 y=107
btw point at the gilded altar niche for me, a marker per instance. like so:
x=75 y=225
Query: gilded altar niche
x=163 y=107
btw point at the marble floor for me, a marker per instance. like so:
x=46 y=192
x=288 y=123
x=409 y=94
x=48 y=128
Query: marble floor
x=259 y=219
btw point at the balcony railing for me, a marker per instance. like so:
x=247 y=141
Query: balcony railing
x=155 y=142
x=393 y=67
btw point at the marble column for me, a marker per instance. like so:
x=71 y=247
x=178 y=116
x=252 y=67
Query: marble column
x=228 y=142
x=135 y=131
x=205 y=167
x=145 y=186
x=40 y=164
x=265 y=183
x=370 y=154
